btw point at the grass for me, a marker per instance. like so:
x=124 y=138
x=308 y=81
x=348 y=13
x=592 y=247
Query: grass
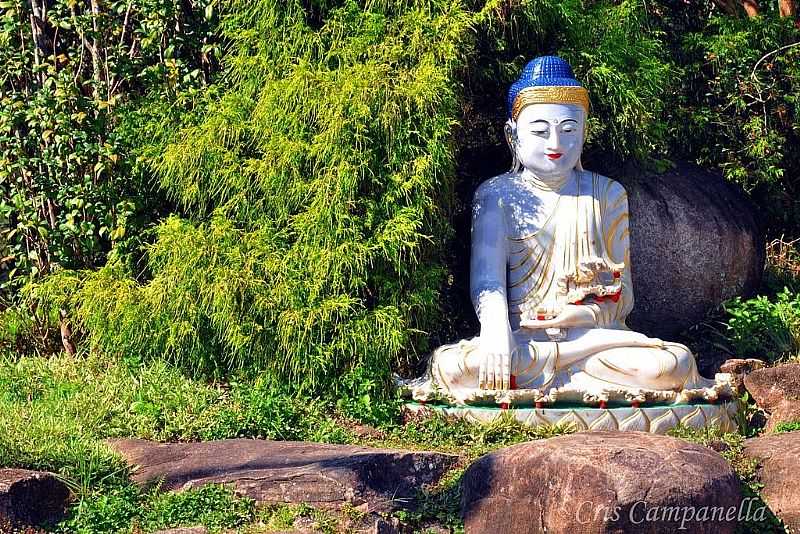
x=126 y=509
x=56 y=411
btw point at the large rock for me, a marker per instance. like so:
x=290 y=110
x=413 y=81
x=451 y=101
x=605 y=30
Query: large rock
x=31 y=497
x=777 y=391
x=695 y=243
x=779 y=459
x=739 y=368
x=601 y=482
x=325 y=476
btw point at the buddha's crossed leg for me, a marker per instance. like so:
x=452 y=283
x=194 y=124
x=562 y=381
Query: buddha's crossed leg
x=632 y=360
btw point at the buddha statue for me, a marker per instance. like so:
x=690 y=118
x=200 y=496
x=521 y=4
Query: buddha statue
x=550 y=276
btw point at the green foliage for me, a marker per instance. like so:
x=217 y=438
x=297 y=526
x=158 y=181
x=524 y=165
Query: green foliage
x=17 y=329
x=749 y=417
x=55 y=412
x=365 y=400
x=740 y=108
x=324 y=166
x=763 y=327
x=440 y=504
x=624 y=62
x=615 y=51
x=68 y=190
x=789 y=426
x=267 y=409
x=127 y=509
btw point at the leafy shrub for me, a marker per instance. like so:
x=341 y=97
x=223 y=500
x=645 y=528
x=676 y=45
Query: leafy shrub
x=68 y=189
x=16 y=329
x=267 y=409
x=764 y=328
x=365 y=401
x=739 y=110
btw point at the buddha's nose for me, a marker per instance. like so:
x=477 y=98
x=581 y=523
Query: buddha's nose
x=554 y=141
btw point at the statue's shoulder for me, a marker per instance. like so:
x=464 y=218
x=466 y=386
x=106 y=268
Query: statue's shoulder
x=497 y=187
x=602 y=186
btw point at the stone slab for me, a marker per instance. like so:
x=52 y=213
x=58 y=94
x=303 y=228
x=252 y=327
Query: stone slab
x=321 y=475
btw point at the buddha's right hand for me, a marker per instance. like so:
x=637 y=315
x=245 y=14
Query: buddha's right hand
x=495 y=364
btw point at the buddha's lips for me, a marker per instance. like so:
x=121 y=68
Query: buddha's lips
x=555 y=155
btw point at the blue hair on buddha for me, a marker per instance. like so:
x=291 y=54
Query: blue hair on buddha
x=543 y=71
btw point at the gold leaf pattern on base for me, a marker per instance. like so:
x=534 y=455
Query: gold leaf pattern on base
x=572 y=418
x=638 y=421
x=606 y=421
x=664 y=422
x=654 y=419
x=695 y=419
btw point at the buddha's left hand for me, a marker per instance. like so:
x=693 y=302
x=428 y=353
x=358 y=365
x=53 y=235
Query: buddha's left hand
x=572 y=316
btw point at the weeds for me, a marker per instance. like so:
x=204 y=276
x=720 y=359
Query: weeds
x=788 y=426
x=127 y=509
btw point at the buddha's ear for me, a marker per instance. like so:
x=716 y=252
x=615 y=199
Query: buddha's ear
x=510 y=131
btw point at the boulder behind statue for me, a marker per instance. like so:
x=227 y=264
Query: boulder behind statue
x=695 y=241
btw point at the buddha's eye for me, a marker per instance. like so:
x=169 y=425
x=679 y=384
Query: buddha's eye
x=539 y=131
x=569 y=126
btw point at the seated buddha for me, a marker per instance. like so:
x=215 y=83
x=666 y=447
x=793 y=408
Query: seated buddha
x=550 y=276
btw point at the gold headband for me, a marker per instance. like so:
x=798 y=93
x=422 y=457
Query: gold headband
x=550 y=95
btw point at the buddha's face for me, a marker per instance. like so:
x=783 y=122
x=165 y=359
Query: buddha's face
x=548 y=138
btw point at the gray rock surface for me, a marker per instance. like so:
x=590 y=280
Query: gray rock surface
x=779 y=459
x=777 y=391
x=599 y=482
x=695 y=242
x=31 y=497
x=324 y=476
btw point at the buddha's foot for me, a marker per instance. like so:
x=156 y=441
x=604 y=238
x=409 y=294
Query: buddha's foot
x=422 y=389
